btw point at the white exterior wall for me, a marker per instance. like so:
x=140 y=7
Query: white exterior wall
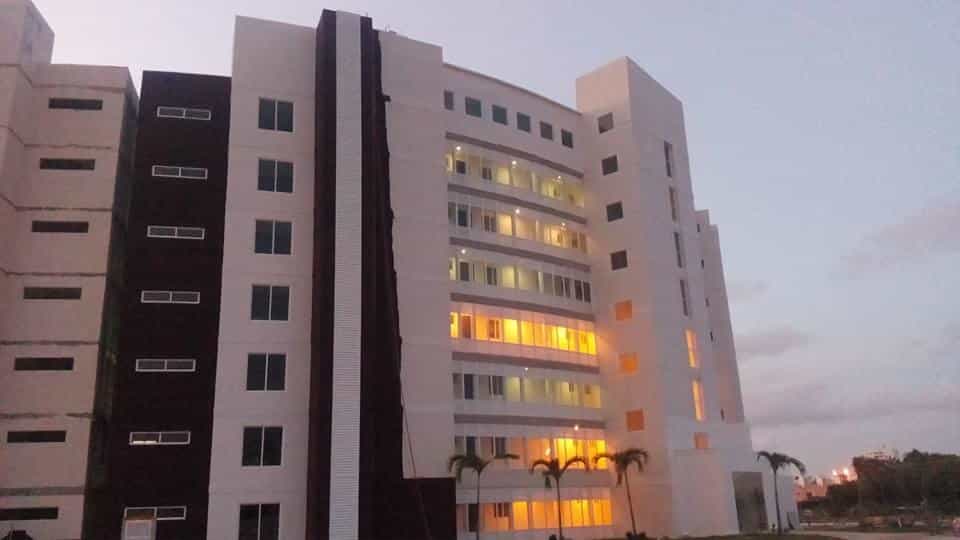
x=277 y=61
x=51 y=474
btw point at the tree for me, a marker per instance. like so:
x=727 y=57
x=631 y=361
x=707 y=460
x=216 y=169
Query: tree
x=621 y=464
x=553 y=470
x=779 y=461
x=458 y=462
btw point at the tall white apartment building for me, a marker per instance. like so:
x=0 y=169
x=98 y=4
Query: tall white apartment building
x=347 y=262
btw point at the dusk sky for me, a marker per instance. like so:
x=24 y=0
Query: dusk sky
x=824 y=139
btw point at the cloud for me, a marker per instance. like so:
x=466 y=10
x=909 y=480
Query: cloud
x=771 y=342
x=745 y=291
x=930 y=232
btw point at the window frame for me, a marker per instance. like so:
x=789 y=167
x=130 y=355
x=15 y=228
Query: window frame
x=566 y=137
x=276 y=105
x=152 y=231
x=609 y=165
x=263 y=445
x=614 y=211
x=601 y=124
x=270 y=298
x=61 y=164
x=170 y=295
x=615 y=260
x=160 y=438
x=140 y=365
x=260 y=531
x=268 y=360
x=503 y=114
x=524 y=122
x=52 y=293
x=274 y=237
x=74 y=104
x=546 y=130
x=184 y=113
x=157 y=171
x=275 y=179
x=472 y=103
x=449 y=100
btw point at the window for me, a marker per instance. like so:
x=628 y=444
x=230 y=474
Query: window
x=272 y=237
x=473 y=107
x=546 y=130
x=266 y=372
x=605 y=122
x=170 y=171
x=168 y=365
x=623 y=310
x=43 y=363
x=468 y=390
x=692 y=357
x=169 y=297
x=566 y=138
x=29 y=514
x=39 y=436
x=499 y=114
x=496 y=385
x=76 y=104
x=275 y=115
x=60 y=226
x=711 y=335
x=635 y=420
x=275 y=176
x=628 y=363
x=668 y=158
x=460 y=166
x=523 y=122
x=618 y=260
x=698 y=409
x=144 y=438
x=183 y=113
x=52 y=293
x=259 y=522
x=181 y=233
x=499 y=445
x=270 y=303
x=492 y=275
x=486 y=173
x=701 y=441
x=159 y=513
x=683 y=298
x=674 y=211
x=262 y=446
x=615 y=211
x=68 y=164
x=501 y=510
x=609 y=165
x=586 y=292
x=448 y=100
x=678 y=246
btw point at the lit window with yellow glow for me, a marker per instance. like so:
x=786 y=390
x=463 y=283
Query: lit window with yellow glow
x=698 y=401
x=692 y=352
x=523 y=332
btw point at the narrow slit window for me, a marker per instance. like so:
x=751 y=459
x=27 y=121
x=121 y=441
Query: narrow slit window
x=69 y=227
x=175 y=232
x=183 y=113
x=36 y=436
x=165 y=365
x=172 y=171
x=43 y=363
x=75 y=104
x=52 y=293
x=448 y=100
x=62 y=164
x=161 y=438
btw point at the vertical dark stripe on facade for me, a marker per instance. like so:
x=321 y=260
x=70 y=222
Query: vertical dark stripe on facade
x=122 y=475
x=321 y=331
x=389 y=506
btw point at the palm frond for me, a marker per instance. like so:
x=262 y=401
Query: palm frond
x=539 y=463
x=573 y=461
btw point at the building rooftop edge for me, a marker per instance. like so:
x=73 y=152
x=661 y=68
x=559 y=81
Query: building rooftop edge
x=514 y=86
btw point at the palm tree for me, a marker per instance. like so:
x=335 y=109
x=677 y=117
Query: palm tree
x=458 y=462
x=621 y=463
x=779 y=461
x=553 y=470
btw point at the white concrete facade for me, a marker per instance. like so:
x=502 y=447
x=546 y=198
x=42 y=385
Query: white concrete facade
x=35 y=334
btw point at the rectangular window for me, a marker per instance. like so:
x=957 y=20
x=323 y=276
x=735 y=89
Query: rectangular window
x=523 y=122
x=166 y=365
x=448 y=100
x=492 y=275
x=668 y=158
x=52 y=293
x=546 y=130
x=29 y=514
x=262 y=446
x=486 y=173
x=635 y=420
x=496 y=385
x=466 y=326
x=266 y=372
x=566 y=138
x=605 y=123
x=272 y=237
x=159 y=513
x=259 y=522
x=698 y=409
x=623 y=310
x=692 y=356
x=180 y=233
x=678 y=246
x=171 y=438
x=76 y=104
x=586 y=292
x=615 y=211
x=618 y=260
x=43 y=363
x=270 y=303
x=628 y=363
x=39 y=436
x=674 y=210
x=473 y=107
x=60 y=226
x=275 y=115
x=183 y=113
x=169 y=297
x=460 y=166
x=499 y=114
x=468 y=390
x=609 y=165
x=701 y=441
x=171 y=171
x=683 y=298
x=276 y=176
x=68 y=164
